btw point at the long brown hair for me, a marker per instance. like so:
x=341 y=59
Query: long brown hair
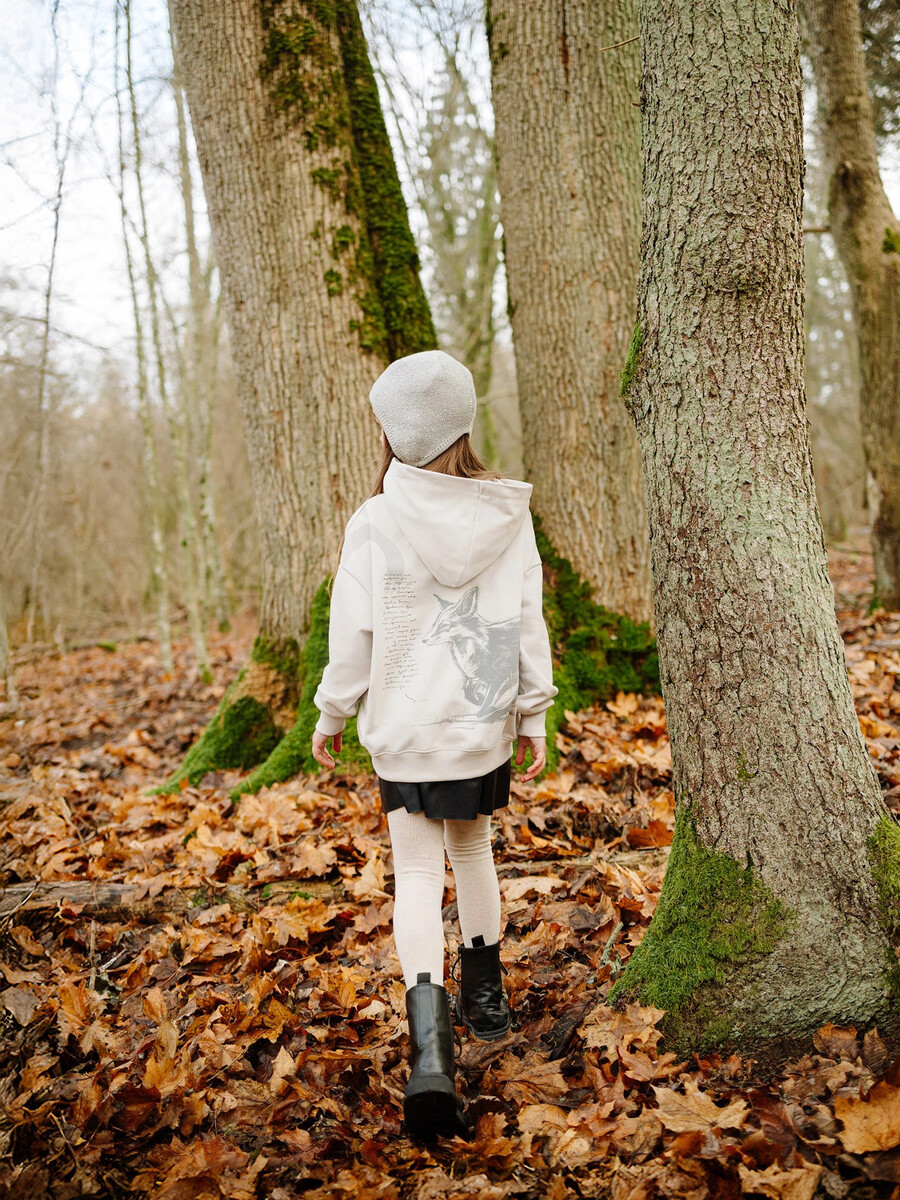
x=458 y=459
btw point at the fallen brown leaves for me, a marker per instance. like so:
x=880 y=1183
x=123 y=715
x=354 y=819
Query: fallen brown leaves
x=257 y=1049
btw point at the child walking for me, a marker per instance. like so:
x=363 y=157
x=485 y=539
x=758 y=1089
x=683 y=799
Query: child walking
x=437 y=634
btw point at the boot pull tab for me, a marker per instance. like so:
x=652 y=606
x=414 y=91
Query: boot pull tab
x=423 y=977
x=478 y=943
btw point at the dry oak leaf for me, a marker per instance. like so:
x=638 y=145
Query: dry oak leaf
x=872 y=1123
x=837 y=1041
x=313 y=858
x=696 y=1110
x=608 y=1030
x=799 y=1183
x=296 y=919
x=541 y=1118
x=26 y=939
x=369 y=884
x=529 y=885
x=22 y=1002
x=530 y=1080
x=624 y=704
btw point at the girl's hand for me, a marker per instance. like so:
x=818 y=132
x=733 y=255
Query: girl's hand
x=320 y=748
x=538 y=755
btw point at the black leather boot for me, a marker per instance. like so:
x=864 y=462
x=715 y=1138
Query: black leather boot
x=431 y=1106
x=480 y=1002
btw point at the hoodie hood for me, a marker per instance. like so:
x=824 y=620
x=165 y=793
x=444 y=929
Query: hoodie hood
x=456 y=526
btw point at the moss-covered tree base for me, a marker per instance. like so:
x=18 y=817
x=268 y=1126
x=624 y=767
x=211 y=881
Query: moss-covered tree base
x=713 y=916
x=255 y=712
x=596 y=653
x=293 y=754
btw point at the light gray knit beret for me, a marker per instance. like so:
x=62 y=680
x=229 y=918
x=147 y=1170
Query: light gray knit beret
x=424 y=402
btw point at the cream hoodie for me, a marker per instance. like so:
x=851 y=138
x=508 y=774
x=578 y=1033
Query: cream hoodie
x=436 y=629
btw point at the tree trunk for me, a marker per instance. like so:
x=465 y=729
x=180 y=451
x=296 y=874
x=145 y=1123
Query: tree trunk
x=319 y=275
x=781 y=896
x=199 y=373
x=568 y=155
x=187 y=539
x=867 y=235
x=7 y=674
x=148 y=440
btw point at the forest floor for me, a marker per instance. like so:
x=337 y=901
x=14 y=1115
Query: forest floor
x=202 y=1000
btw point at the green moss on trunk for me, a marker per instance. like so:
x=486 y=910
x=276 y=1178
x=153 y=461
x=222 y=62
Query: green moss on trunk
x=884 y=856
x=319 y=77
x=254 y=714
x=712 y=914
x=596 y=652
x=629 y=372
x=379 y=199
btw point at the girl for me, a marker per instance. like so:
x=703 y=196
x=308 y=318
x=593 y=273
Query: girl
x=437 y=634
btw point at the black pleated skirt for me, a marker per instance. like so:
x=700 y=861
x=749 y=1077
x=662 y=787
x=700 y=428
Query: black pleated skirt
x=450 y=799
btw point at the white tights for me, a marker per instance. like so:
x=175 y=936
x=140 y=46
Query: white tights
x=418 y=847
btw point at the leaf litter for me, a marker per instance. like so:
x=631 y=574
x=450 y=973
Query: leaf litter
x=210 y=1006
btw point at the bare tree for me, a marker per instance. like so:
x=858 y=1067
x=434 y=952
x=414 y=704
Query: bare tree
x=832 y=367
x=151 y=460
x=565 y=88
x=178 y=433
x=62 y=142
x=867 y=235
x=443 y=129
x=199 y=377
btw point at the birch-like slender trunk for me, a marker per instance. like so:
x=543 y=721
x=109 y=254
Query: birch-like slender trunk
x=43 y=410
x=319 y=276
x=779 y=905
x=145 y=408
x=568 y=154
x=200 y=373
x=867 y=235
x=6 y=667
x=187 y=539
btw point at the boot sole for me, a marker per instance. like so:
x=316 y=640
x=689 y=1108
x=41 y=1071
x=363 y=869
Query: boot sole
x=487 y=1035
x=430 y=1109
x=481 y=1035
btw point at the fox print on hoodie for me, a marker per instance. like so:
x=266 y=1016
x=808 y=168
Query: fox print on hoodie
x=437 y=631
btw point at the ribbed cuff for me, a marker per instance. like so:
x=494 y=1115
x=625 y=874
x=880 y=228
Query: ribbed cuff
x=329 y=726
x=532 y=724
x=418 y=767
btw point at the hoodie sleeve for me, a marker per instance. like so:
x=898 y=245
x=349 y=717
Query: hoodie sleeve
x=346 y=678
x=536 y=686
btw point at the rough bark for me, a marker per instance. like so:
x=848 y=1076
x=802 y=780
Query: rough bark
x=780 y=898
x=320 y=279
x=867 y=235
x=567 y=137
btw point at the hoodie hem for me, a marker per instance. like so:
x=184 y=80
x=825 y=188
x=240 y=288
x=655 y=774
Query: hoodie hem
x=433 y=765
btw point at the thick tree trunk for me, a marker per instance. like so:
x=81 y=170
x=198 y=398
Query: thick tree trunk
x=867 y=235
x=569 y=173
x=780 y=898
x=319 y=275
